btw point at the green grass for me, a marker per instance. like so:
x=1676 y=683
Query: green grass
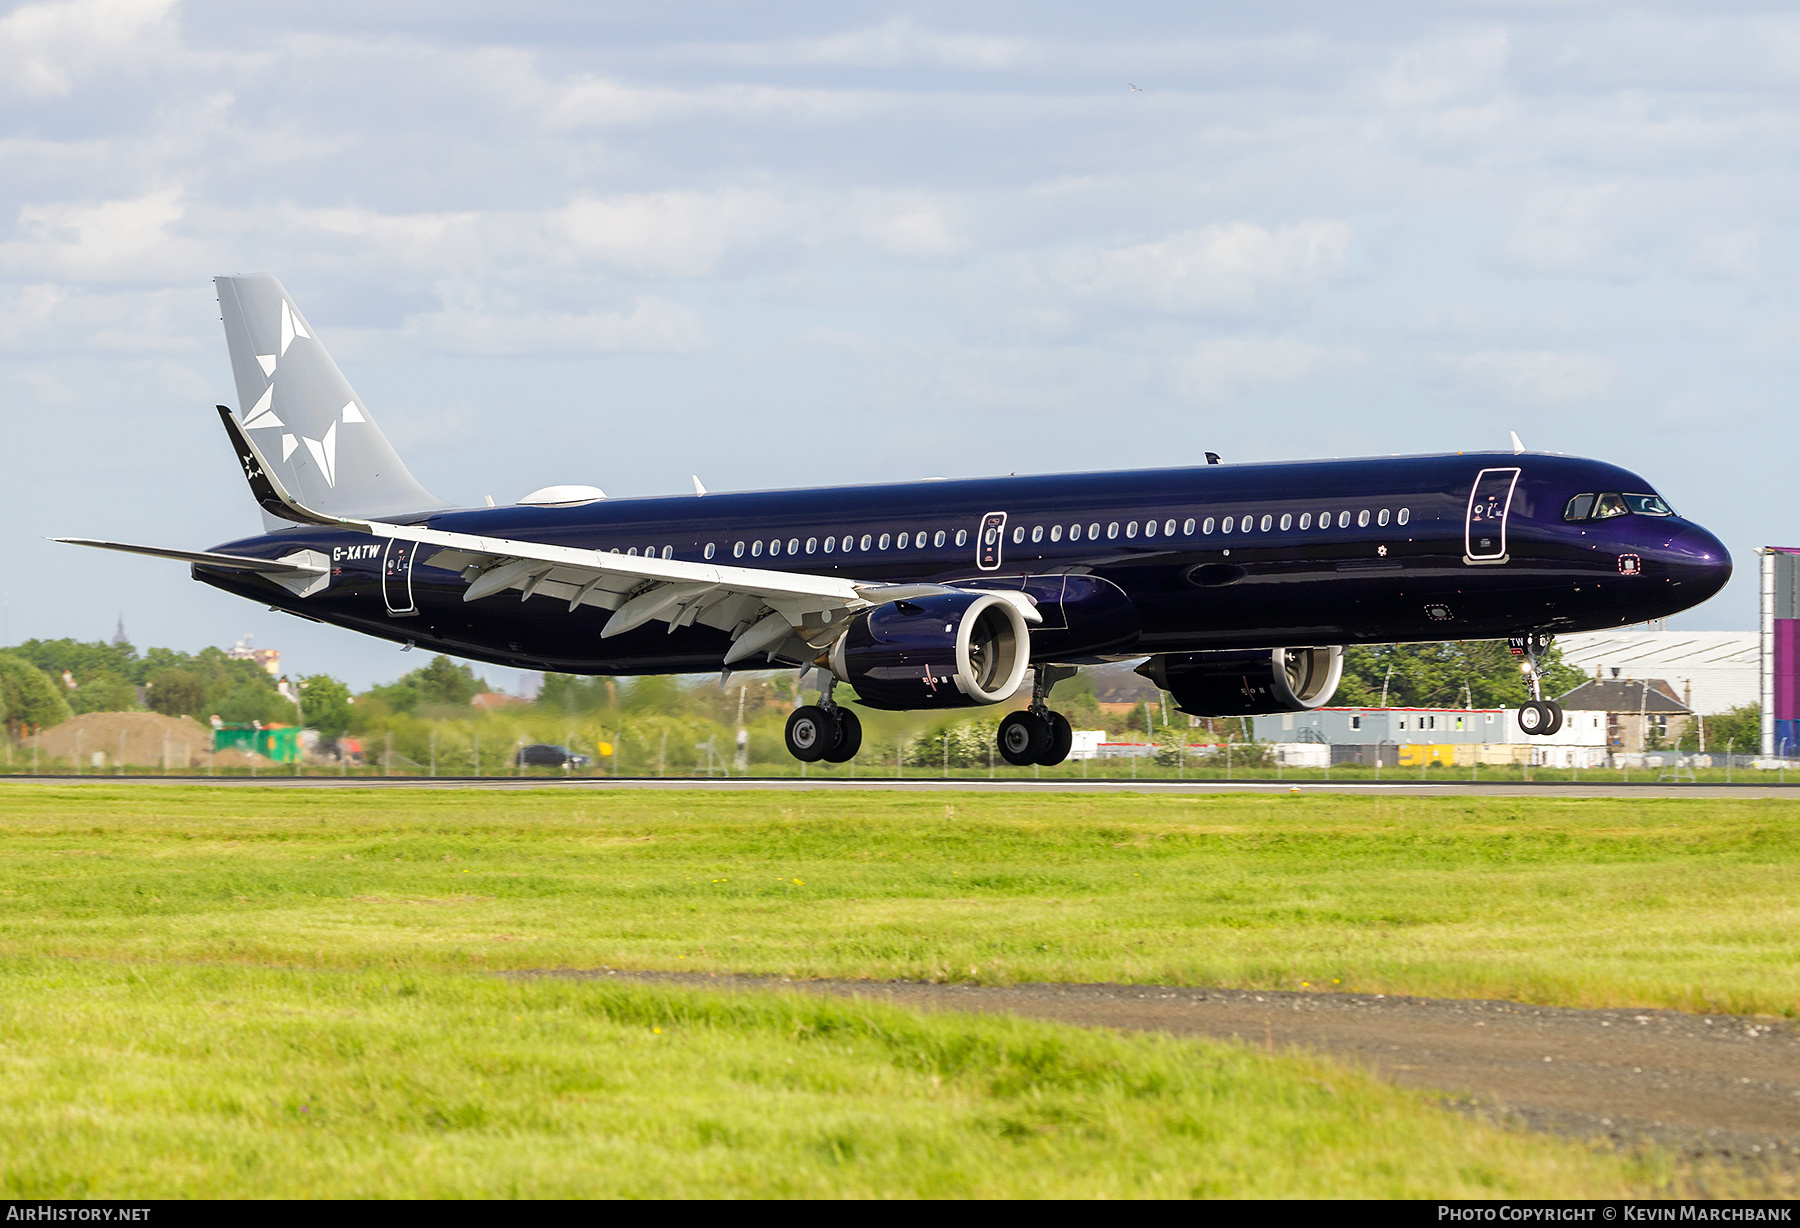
x=148 y=1082
x=233 y=992
x=1688 y=904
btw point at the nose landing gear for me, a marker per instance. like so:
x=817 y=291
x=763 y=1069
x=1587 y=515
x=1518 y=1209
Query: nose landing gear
x=1538 y=717
x=1038 y=735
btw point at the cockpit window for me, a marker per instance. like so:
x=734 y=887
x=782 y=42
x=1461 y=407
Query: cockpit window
x=1612 y=503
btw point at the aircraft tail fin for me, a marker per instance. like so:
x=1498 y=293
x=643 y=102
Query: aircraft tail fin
x=332 y=456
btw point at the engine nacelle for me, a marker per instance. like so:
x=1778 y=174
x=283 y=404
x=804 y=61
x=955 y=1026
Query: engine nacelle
x=1248 y=682
x=947 y=650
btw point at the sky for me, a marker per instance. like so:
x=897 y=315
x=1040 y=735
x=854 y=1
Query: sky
x=809 y=244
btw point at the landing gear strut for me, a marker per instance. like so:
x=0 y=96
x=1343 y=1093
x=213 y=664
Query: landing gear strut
x=1538 y=717
x=824 y=731
x=1038 y=735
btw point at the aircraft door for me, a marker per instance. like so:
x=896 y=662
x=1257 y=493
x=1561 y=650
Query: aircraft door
x=989 y=545
x=396 y=577
x=1484 y=531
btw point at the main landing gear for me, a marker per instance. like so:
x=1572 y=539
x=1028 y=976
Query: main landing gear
x=824 y=731
x=1538 y=717
x=1038 y=735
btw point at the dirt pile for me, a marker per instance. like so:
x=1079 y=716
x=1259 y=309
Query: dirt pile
x=136 y=739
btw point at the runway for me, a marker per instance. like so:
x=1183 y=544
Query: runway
x=1722 y=1085
x=1413 y=788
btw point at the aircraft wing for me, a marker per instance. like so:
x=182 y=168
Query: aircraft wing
x=765 y=611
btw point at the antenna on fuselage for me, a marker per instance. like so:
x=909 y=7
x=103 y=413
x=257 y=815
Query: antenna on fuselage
x=1212 y=458
x=1518 y=447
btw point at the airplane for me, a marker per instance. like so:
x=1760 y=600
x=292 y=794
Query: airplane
x=1240 y=584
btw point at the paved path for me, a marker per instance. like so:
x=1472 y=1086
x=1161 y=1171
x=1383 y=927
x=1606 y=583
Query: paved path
x=1411 y=788
x=1704 y=1084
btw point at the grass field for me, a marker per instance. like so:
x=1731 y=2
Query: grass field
x=1688 y=904
x=242 y=992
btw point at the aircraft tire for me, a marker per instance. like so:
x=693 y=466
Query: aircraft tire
x=1023 y=737
x=811 y=732
x=1535 y=718
x=1556 y=717
x=849 y=737
x=1061 y=739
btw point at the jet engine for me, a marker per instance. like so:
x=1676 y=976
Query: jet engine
x=945 y=650
x=1246 y=682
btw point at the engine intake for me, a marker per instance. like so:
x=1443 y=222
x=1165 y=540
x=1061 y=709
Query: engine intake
x=1248 y=682
x=947 y=650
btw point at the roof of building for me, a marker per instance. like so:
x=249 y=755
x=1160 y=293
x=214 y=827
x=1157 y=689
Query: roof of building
x=1651 y=695
x=1711 y=670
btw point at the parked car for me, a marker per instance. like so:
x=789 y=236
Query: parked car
x=543 y=755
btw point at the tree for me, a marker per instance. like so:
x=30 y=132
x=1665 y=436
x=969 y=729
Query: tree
x=1740 y=729
x=442 y=681
x=325 y=705
x=29 y=696
x=1478 y=673
x=104 y=693
x=178 y=692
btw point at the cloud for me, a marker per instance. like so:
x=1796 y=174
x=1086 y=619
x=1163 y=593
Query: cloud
x=1234 y=267
x=1572 y=231
x=44 y=47
x=1545 y=379
x=1219 y=372
x=112 y=241
x=42 y=319
x=894 y=44
x=1440 y=71
x=651 y=326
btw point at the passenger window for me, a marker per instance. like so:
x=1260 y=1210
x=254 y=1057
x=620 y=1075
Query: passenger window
x=1037 y=532
x=1287 y=522
x=812 y=544
x=1207 y=528
x=938 y=540
x=793 y=545
x=885 y=539
x=632 y=552
x=668 y=552
x=1267 y=521
x=1225 y=527
x=756 y=550
x=866 y=539
x=1306 y=520
x=1187 y=526
x=1112 y=531
x=775 y=547
x=1381 y=517
x=1580 y=508
x=709 y=550
x=830 y=543
x=1149 y=528
x=1362 y=519
x=1608 y=506
x=919 y=541
x=962 y=537
x=1131 y=529
x=1074 y=532
x=1169 y=527
x=1055 y=532
x=1405 y=515
x=1094 y=532
x=1018 y=534
x=1343 y=520
x=900 y=543
x=737 y=551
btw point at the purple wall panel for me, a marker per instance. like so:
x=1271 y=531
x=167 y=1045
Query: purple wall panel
x=1787 y=669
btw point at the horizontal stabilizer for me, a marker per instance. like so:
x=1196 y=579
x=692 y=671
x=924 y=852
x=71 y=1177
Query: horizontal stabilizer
x=304 y=572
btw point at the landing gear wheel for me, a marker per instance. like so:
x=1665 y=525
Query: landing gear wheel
x=849 y=737
x=811 y=732
x=1023 y=738
x=1539 y=719
x=1556 y=717
x=1062 y=737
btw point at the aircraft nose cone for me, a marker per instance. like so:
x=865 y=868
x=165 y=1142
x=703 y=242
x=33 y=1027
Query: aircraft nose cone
x=1699 y=558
